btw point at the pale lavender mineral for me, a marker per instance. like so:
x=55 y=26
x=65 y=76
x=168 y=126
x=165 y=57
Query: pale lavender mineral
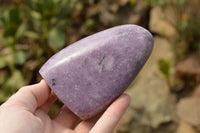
x=89 y=74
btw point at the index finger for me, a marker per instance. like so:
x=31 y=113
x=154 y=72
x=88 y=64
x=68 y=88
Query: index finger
x=112 y=115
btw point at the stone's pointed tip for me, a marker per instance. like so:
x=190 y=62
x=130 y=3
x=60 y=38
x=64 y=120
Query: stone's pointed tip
x=89 y=74
x=140 y=30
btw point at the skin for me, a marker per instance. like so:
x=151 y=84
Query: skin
x=27 y=112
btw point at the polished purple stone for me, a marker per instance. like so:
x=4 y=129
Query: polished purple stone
x=89 y=74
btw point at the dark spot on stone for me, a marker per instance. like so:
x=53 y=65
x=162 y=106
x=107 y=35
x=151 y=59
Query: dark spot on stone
x=89 y=84
x=101 y=60
x=53 y=82
x=120 y=33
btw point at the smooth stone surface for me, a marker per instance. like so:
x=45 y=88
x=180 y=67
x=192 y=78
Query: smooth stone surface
x=89 y=74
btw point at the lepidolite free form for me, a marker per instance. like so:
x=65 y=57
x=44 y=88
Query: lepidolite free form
x=89 y=74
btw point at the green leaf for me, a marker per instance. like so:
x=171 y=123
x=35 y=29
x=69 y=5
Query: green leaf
x=2 y=39
x=61 y=24
x=35 y=15
x=3 y=77
x=15 y=15
x=21 y=30
x=90 y=24
x=20 y=57
x=3 y=62
x=32 y=35
x=132 y=2
x=56 y=39
x=6 y=58
x=4 y=15
x=3 y=97
x=1 y=21
x=165 y=66
x=15 y=82
x=10 y=29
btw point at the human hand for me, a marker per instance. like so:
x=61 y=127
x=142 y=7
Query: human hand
x=27 y=112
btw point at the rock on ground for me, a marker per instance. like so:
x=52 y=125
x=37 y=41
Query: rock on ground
x=159 y=23
x=184 y=127
x=152 y=103
x=188 y=109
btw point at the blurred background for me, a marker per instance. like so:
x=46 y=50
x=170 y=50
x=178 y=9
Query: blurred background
x=166 y=93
